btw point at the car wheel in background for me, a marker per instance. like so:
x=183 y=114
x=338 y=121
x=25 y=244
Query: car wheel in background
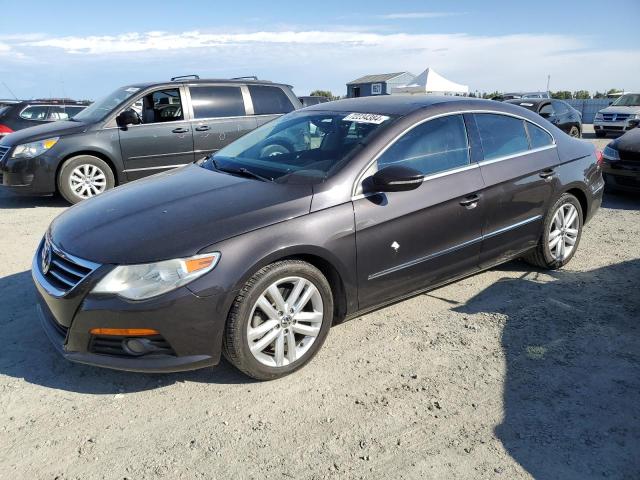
x=561 y=235
x=83 y=177
x=600 y=134
x=279 y=320
x=574 y=132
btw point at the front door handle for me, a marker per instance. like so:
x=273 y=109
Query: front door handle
x=203 y=128
x=471 y=201
x=547 y=174
x=180 y=130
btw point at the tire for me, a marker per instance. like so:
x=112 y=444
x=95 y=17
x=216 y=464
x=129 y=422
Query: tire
x=84 y=168
x=253 y=346
x=600 y=134
x=544 y=256
x=575 y=132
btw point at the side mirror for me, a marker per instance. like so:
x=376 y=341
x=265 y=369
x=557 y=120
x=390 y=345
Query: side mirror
x=396 y=178
x=127 y=117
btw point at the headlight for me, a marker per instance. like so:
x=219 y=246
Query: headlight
x=138 y=282
x=635 y=116
x=598 y=116
x=610 y=153
x=33 y=149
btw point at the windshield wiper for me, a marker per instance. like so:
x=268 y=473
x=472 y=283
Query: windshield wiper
x=240 y=171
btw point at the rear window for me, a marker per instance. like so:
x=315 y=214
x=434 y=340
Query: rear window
x=211 y=102
x=269 y=100
x=35 y=112
x=501 y=135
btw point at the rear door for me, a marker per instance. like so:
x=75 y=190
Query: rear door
x=219 y=117
x=518 y=169
x=269 y=102
x=163 y=139
x=410 y=240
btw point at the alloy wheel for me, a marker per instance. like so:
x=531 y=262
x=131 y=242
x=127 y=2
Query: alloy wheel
x=563 y=232
x=285 y=321
x=87 y=181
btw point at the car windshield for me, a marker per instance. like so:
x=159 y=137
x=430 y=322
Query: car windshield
x=629 y=100
x=308 y=144
x=100 y=109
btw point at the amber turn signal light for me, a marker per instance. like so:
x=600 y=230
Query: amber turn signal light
x=124 y=332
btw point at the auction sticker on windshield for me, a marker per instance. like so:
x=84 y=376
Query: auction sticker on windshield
x=365 y=118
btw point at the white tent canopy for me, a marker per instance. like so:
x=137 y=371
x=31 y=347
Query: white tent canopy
x=430 y=81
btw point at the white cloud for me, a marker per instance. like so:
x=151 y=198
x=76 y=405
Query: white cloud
x=416 y=15
x=329 y=58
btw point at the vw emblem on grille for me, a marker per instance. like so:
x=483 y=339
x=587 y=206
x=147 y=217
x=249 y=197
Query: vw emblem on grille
x=45 y=257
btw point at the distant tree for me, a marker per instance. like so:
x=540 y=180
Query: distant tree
x=581 y=95
x=561 y=95
x=322 y=93
x=600 y=95
x=491 y=95
x=614 y=90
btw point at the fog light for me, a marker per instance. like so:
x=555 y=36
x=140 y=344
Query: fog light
x=137 y=346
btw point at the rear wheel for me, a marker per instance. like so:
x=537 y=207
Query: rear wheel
x=279 y=320
x=561 y=236
x=83 y=177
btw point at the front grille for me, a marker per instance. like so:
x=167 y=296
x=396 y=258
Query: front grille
x=64 y=271
x=628 y=156
x=3 y=151
x=615 y=117
x=114 y=346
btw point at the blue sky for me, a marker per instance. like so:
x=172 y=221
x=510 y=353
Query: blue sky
x=85 y=49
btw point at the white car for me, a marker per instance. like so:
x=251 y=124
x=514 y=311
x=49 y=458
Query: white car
x=616 y=117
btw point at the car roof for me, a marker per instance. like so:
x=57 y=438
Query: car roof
x=518 y=101
x=196 y=81
x=392 y=104
x=54 y=101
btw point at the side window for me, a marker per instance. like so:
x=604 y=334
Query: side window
x=58 y=112
x=431 y=147
x=35 y=112
x=546 y=111
x=269 y=100
x=537 y=136
x=560 y=108
x=501 y=135
x=376 y=89
x=161 y=106
x=211 y=102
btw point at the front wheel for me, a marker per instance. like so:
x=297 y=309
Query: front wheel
x=561 y=235
x=83 y=177
x=574 y=132
x=279 y=320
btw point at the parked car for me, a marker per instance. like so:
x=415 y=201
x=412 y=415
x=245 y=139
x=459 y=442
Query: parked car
x=560 y=113
x=621 y=167
x=17 y=115
x=136 y=131
x=517 y=95
x=258 y=256
x=616 y=117
x=312 y=100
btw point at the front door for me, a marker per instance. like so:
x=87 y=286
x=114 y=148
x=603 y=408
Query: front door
x=219 y=117
x=162 y=140
x=407 y=241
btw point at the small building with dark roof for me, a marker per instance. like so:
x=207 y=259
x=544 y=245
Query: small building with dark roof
x=378 y=84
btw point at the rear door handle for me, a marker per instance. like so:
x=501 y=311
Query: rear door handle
x=471 y=201
x=203 y=128
x=180 y=130
x=547 y=174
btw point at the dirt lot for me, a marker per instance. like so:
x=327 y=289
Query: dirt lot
x=512 y=373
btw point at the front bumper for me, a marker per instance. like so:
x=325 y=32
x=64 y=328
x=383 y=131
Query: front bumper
x=185 y=321
x=622 y=175
x=611 y=127
x=31 y=176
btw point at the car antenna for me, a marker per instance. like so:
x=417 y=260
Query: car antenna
x=11 y=91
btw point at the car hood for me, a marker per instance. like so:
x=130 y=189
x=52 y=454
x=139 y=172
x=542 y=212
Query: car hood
x=620 y=109
x=629 y=142
x=173 y=215
x=46 y=130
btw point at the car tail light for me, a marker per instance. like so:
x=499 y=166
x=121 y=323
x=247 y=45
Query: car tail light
x=599 y=159
x=4 y=130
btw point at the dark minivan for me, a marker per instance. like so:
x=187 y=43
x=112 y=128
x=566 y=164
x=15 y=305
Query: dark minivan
x=257 y=255
x=136 y=131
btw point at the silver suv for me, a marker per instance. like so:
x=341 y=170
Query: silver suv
x=616 y=117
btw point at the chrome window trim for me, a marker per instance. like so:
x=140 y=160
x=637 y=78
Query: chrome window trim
x=359 y=178
x=514 y=155
x=431 y=256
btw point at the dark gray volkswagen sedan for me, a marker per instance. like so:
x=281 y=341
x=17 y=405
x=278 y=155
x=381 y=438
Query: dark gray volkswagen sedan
x=316 y=217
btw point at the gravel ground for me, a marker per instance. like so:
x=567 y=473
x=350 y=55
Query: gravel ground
x=512 y=373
